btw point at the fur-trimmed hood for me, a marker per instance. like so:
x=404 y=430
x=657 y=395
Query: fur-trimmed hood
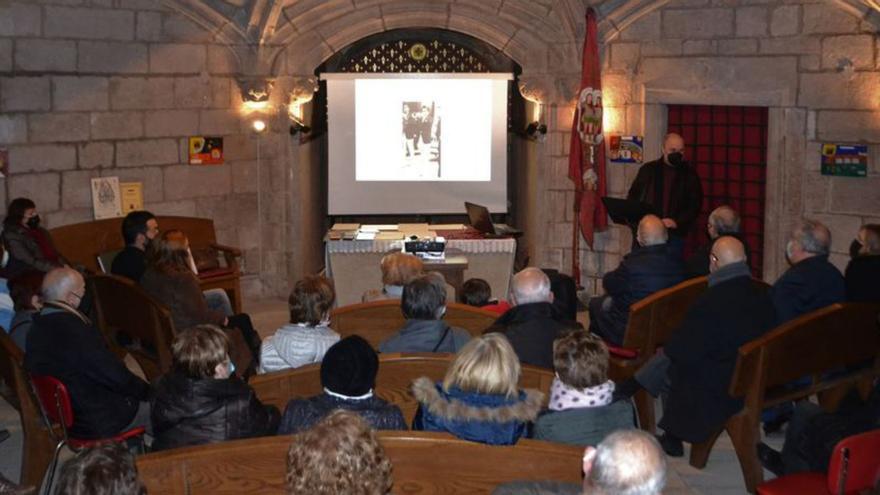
x=463 y=406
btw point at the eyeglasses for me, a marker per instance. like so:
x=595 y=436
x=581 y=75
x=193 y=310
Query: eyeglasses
x=713 y=257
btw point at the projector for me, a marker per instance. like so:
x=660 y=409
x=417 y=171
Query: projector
x=429 y=249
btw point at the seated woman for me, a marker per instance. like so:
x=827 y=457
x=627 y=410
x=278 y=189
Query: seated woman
x=25 y=292
x=581 y=408
x=398 y=269
x=308 y=335
x=478 y=293
x=169 y=278
x=863 y=271
x=30 y=246
x=478 y=399
x=423 y=305
x=348 y=375
x=199 y=401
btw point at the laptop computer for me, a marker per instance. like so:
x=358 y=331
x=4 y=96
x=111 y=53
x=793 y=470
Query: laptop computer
x=480 y=220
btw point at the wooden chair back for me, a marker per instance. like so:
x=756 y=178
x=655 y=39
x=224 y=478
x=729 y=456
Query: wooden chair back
x=837 y=347
x=38 y=444
x=122 y=307
x=423 y=462
x=82 y=243
x=376 y=321
x=653 y=319
x=396 y=373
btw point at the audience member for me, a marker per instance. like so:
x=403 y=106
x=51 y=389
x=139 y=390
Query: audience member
x=107 y=469
x=307 y=337
x=863 y=271
x=29 y=245
x=398 y=269
x=564 y=290
x=477 y=292
x=139 y=228
x=581 y=411
x=169 y=279
x=199 y=401
x=216 y=299
x=348 y=375
x=423 y=305
x=811 y=282
x=25 y=292
x=341 y=454
x=647 y=269
x=106 y=397
x=697 y=362
x=533 y=323
x=723 y=220
x=478 y=399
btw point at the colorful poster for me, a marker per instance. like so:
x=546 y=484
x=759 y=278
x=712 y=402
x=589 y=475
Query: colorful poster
x=845 y=160
x=132 y=196
x=4 y=162
x=106 y=199
x=626 y=149
x=205 y=150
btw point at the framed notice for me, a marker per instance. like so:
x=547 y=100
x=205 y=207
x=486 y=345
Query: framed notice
x=625 y=149
x=4 y=162
x=132 y=194
x=106 y=199
x=845 y=160
x=205 y=150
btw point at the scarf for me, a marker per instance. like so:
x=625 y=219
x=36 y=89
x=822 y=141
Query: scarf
x=563 y=397
x=39 y=236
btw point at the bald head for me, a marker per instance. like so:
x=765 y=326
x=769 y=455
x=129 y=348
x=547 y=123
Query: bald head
x=651 y=231
x=725 y=251
x=627 y=461
x=64 y=285
x=530 y=286
x=723 y=220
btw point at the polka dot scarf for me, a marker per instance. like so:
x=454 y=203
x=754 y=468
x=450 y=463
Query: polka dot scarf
x=563 y=397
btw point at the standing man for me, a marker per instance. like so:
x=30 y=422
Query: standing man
x=672 y=187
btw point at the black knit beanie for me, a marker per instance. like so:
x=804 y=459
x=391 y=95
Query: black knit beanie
x=350 y=367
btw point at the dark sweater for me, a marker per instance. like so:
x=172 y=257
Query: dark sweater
x=130 y=263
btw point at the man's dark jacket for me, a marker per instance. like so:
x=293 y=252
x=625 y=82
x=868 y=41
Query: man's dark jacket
x=809 y=285
x=188 y=411
x=642 y=272
x=130 y=263
x=531 y=329
x=703 y=351
x=687 y=193
x=104 y=394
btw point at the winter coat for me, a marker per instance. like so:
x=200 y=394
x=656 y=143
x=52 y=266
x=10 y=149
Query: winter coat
x=486 y=418
x=25 y=253
x=862 y=276
x=301 y=414
x=181 y=294
x=531 y=330
x=426 y=336
x=295 y=345
x=188 y=411
x=808 y=285
x=584 y=425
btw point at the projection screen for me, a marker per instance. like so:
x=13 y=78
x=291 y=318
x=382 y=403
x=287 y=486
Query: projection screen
x=416 y=143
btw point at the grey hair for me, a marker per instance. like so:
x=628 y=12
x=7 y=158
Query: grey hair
x=813 y=236
x=629 y=462
x=725 y=220
x=531 y=285
x=58 y=283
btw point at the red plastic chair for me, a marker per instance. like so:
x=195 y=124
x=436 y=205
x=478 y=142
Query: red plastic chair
x=854 y=466
x=57 y=412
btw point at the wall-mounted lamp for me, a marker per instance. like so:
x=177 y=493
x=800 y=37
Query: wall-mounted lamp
x=259 y=125
x=537 y=131
x=302 y=91
x=255 y=93
x=297 y=127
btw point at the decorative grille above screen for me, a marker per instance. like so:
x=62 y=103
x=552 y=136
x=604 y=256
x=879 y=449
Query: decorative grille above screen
x=415 y=56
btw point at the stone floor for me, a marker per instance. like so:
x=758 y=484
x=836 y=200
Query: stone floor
x=720 y=477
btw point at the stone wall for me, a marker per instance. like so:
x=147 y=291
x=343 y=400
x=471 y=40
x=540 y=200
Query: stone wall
x=115 y=88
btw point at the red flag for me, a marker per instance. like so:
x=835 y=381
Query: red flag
x=586 y=160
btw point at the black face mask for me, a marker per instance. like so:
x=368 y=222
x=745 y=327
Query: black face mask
x=854 y=248
x=675 y=159
x=34 y=221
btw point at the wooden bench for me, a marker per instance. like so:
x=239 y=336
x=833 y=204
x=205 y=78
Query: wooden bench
x=838 y=347
x=376 y=321
x=37 y=445
x=396 y=372
x=423 y=462
x=83 y=243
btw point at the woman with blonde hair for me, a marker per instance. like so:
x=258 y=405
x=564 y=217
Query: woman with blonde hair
x=398 y=269
x=478 y=399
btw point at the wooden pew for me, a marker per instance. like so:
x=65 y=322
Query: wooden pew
x=37 y=445
x=83 y=243
x=838 y=347
x=376 y=321
x=396 y=373
x=423 y=462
